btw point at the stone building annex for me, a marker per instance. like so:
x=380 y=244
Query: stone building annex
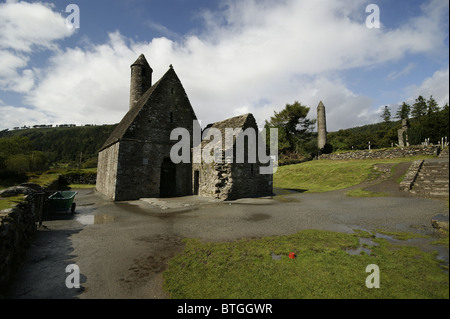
x=134 y=162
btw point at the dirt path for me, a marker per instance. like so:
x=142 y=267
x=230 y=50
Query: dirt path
x=387 y=182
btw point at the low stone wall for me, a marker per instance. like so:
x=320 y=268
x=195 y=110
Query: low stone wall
x=410 y=176
x=394 y=152
x=63 y=181
x=17 y=228
x=80 y=178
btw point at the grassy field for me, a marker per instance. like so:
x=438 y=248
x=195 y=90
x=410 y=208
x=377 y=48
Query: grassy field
x=327 y=175
x=322 y=269
x=51 y=175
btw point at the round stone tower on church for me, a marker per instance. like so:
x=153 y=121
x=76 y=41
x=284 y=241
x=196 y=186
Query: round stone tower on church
x=141 y=79
x=321 y=126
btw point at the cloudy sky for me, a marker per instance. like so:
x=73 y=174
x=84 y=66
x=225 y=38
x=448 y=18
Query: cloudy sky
x=232 y=56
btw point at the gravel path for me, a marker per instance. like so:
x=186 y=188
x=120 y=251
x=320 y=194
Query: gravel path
x=122 y=248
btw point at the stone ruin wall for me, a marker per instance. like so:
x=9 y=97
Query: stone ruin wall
x=395 y=152
x=17 y=228
x=106 y=172
x=229 y=181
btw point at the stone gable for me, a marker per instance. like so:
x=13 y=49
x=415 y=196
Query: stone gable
x=134 y=162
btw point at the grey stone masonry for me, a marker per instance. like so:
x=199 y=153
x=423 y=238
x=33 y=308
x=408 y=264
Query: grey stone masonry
x=411 y=175
x=394 y=152
x=228 y=179
x=141 y=79
x=432 y=179
x=17 y=228
x=321 y=126
x=135 y=161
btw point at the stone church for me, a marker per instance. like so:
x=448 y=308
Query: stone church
x=134 y=162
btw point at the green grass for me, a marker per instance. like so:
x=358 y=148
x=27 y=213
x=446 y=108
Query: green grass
x=322 y=269
x=327 y=175
x=45 y=178
x=51 y=175
x=9 y=202
x=81 y=186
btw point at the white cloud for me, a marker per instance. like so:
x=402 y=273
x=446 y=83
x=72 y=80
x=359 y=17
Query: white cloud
x=20 y=116
x=405 y=71
x=27 y=25
x=24 y=28
x=253 y=56
x=437 y=86
x=86 y=86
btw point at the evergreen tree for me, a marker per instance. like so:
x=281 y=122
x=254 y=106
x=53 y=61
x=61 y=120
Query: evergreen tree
x=432 y=106
x=403 y=111
x=386 y=115
x=419 y=108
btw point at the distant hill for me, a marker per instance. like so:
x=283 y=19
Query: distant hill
x=67 y=144
x=64 y=144
x=379 y=135
x=433 y=126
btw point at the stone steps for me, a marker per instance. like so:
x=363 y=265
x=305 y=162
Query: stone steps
x=444 y=153
x=432 y=180
x=435 y=170
x=435 y=194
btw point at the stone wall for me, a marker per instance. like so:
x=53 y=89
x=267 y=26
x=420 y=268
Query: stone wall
x=85 y=178
x=17 y=227
x=410 y=176
x=229 y=181
x=394 y=152
x=130 y=165
x=107 y=170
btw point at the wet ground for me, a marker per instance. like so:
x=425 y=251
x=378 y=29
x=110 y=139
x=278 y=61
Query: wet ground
x=123 y=248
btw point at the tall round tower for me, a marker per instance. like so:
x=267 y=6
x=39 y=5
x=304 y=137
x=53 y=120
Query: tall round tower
x=141 y=79
x=321 y=126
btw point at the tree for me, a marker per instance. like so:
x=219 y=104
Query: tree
x=419 y=108
x=386 y=115
x=432 y=106
x=294 y=128
x=403 y=111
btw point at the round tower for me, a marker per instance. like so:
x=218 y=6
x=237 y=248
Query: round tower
x=321 y=126
x=141 y=79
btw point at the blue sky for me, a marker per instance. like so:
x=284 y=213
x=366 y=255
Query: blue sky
x=232 y=56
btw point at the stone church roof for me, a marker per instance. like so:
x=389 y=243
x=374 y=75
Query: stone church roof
x=142 y=61
x=119 y=132
x=242 y=121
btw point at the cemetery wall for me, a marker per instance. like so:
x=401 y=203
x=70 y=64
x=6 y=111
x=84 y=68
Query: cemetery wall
x=386 y=153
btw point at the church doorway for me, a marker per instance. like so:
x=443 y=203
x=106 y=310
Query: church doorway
x=196 y=181
x=168 y=183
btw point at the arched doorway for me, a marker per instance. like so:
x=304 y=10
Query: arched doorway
x=168 y=182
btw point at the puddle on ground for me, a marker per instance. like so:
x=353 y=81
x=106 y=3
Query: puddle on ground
x=358 y=251
x=95 y=219
x=424 y=244
x=362 y=241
